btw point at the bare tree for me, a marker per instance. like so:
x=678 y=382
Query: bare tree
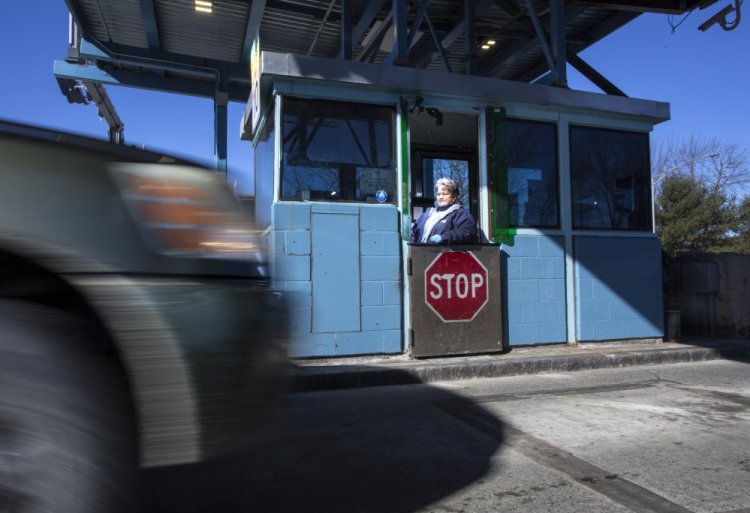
x=722 y=167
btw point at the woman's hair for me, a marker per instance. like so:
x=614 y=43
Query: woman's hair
x=448 y=183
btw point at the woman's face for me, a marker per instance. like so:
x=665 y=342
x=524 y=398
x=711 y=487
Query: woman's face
x=443 y=197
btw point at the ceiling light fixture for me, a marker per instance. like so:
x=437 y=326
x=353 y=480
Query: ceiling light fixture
x=204 y=6
x=491 y=42
x=485 y=46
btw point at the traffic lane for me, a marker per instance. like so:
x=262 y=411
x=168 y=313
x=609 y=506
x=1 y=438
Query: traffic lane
x=670 y=438
x=387 y=449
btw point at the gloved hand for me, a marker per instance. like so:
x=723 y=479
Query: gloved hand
x=436 y=239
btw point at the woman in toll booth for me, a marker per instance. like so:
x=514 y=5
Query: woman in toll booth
x=448 y=222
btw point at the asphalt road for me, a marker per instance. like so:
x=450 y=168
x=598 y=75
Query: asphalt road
x=669 y=438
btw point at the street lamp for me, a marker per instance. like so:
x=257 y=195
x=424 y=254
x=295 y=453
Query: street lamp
x=655 y=180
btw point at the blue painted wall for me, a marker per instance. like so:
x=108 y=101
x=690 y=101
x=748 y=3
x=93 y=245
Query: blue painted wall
x=535 y=284
x=341 y=266
x=618 y=288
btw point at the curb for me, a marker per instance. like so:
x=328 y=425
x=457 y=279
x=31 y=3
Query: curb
x=332 y=377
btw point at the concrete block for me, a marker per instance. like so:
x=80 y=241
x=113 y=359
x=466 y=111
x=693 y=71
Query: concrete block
x=552 y=246
x=540 y=311
x=643 y=328
x=359 y=342
x=278 y=243
x=514 y=268
x=291 y=268
x=596 y=310
x=334 y=208
x=393 y=341
x=297 y=242
x=609 y=330
x=520 y=334
x=523 y=246
x=515 y=313
x=382 y=218
x=621 y=310
x=386 y=317
x=552 y=290
x=372 y=293
x=539 y=267
x=291 y=216
x=585 y=330
x=523 y=290
x=392 y=293
x=380 y=243
x=552 y=332
x=298 y=293
x=385 y=268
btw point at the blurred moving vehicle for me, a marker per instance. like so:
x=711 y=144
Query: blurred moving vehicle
x=138 y=326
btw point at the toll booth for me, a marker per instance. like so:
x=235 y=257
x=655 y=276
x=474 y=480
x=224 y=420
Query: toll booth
x=456 y=299
x=346 y=157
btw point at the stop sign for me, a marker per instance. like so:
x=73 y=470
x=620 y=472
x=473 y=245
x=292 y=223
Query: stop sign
x=455 y=286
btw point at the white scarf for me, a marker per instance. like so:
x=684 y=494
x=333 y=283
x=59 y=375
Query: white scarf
x=433 y=218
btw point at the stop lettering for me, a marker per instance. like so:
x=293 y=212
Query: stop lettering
x=456 y=286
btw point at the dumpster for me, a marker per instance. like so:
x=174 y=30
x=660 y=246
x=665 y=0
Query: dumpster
x=455 y=299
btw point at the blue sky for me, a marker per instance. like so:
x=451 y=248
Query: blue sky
x=703 y=75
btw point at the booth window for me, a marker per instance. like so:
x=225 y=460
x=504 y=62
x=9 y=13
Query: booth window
x=610 y=174
x=532 y=174
x=337 y=151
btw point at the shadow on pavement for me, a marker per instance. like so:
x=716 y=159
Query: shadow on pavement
x=380 y=450
x=729 y=349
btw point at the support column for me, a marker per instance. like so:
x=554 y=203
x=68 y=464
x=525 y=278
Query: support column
x=557 y=37
x=469 y=15
x=221 y=101
x=346 y=30
x=401 y=43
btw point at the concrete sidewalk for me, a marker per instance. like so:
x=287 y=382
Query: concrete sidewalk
x=369 y=371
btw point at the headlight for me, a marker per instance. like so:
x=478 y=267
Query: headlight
x=186 y=211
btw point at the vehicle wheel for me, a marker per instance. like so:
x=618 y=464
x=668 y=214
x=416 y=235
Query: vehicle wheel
x=66 y=428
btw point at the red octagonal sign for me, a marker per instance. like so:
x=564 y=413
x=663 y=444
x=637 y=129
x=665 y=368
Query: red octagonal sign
x=455 y=285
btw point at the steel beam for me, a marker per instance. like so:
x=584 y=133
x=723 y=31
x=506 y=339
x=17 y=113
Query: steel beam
x=98 y=94
x=148 y=15
x=401 y=42
x=252 y=27
x=377 y=39
x=346 y=30
x=471 y=35
x=365 y=21
x=165 y=61
x=191 y=87
x=590 y=73
x=437 y=42
x=518 y=48
x=541 y=37
x=425 y=58
x=557 y=22
x=421 y=10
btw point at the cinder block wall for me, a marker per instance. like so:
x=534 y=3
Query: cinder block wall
x=341 y=265
x=618 y=288
x=535 y=281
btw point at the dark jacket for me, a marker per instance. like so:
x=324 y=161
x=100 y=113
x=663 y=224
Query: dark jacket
x=458 y=227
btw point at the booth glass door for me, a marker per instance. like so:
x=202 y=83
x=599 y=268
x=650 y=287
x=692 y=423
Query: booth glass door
x=429 y=166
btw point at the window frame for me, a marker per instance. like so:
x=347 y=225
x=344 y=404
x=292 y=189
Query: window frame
x=647 y=194
x=392 y=167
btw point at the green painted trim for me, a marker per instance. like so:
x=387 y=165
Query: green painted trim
x=404 y=120
x=497 y=177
